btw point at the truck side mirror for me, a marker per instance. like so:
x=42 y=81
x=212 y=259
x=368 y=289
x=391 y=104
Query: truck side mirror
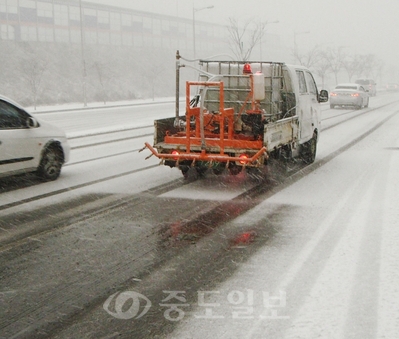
x=323 y=97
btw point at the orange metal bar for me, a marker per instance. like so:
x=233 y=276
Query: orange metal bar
x=235 y=143
x=223 y=115
x=205 y=156
x=191 y=112
x=204 y=83
x=188 y=117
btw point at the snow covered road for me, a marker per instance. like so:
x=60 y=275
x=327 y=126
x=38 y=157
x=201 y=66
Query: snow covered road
x=311 y=254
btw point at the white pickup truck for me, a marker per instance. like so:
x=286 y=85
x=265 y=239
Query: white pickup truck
x=238 y=114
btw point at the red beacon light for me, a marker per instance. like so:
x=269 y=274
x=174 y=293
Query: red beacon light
x=244 y=159
x=175 y=153
x=247 y=69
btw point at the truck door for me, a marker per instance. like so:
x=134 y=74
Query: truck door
x=303 y=107
x=308 y=108
x=315 y=110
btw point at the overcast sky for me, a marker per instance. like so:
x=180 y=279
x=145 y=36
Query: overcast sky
x=360 y=26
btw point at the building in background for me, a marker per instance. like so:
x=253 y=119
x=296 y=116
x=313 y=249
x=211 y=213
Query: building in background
x=101 y=53
x=59 y=21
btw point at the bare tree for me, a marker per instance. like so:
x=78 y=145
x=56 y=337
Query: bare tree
x=8 y=67
x=370 y=64
x=321 y=68
x=310 y=58
x=155 y=71
x=33 y=66
x=352 y=64
x=244 y=39
x=334 y=59
x=377 y=71
x=105 y=75
x=360 y=70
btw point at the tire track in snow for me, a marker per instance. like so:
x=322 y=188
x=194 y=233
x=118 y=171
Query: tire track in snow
x=325 y=308
x=355 y=327
x=388 y=314
x=326 y=239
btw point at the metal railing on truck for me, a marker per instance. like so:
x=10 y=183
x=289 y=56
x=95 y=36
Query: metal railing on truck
x=278 y=102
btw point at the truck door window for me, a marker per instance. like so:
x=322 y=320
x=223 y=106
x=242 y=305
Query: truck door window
x=302 y=82
x=311 y=83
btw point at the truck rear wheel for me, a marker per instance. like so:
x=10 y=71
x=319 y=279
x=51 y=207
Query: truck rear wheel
x=184 y=170
x=234 y=169
x=201 y=170
x=308 y=150
x=218 y=170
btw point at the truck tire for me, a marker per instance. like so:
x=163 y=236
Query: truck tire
x=235 y=169
x=218 y=170
x=201 y=170
x=184 y=171
x=308 y=150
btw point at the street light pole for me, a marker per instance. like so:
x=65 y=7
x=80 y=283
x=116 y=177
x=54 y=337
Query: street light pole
x=83 y=54
x=194 y=11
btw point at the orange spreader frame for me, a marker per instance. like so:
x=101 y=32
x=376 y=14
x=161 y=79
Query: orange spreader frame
x=202 y=137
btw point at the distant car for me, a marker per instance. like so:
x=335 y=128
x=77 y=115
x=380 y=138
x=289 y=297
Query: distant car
x=392 y=87
x=28 y=144
x=349 y=95
x=369 y=85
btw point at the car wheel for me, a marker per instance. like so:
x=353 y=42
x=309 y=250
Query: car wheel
x=332 y=106
x=308 y=150
x=51 y=163
x=367 y=103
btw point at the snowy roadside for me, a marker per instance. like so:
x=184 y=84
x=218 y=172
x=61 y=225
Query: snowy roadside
x=58 y=114
x=95 y=105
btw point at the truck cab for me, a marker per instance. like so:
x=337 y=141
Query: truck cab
x=308 y=100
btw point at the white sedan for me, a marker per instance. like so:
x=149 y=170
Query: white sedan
x=349 y=95
x=28 y=144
